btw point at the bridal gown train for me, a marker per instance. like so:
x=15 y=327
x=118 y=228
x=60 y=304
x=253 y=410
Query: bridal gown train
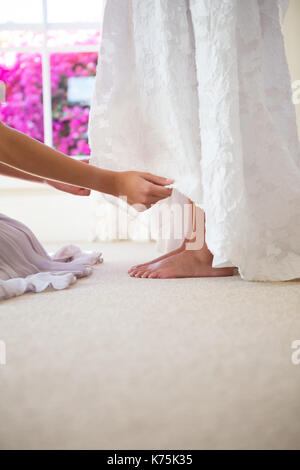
x=26 y=267
x=199 y=91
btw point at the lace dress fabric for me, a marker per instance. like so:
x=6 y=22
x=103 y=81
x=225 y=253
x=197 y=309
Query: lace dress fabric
x=199 y=91
x=26 y=267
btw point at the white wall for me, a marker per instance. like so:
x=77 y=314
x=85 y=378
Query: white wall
x=52 y=215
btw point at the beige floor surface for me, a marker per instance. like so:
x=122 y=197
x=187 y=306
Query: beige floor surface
x=115 y=362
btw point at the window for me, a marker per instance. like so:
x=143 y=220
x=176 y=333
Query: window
x=48 y=62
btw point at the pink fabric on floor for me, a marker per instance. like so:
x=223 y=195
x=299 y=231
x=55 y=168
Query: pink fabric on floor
x=26 y=266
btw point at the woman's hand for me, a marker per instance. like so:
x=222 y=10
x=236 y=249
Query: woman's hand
x=142 y=189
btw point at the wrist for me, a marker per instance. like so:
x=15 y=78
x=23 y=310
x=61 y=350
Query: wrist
x=116 y=183
x=105 y=181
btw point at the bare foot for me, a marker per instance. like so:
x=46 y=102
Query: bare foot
x=186 y=263
x=132 y=271
x=190 y=234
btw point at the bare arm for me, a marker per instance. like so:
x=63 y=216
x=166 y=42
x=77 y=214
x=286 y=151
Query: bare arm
x=7 y=170
x=30 y=156
x=38 y=160
x=12 y=172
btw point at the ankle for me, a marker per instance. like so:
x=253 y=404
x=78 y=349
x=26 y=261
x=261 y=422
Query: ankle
x=203 y=254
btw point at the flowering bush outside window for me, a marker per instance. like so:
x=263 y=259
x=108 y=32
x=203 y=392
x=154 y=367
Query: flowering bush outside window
x=22 y=74
x=70 y=118
x=23 y=110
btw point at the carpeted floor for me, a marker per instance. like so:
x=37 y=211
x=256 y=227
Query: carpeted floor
x=115 y=362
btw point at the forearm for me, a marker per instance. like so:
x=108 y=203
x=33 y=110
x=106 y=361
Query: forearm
x=7 y=170
x=30 y=156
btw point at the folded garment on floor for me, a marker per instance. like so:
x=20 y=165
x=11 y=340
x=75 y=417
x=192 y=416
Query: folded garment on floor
x=25 y=266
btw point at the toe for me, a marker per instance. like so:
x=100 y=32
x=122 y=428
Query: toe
x=153 y=275
x=139 y=274
x=132 y=273
x=136 y=267
x=146 y=274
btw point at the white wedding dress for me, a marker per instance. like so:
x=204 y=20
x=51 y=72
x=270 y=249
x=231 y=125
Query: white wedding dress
x=199 y=91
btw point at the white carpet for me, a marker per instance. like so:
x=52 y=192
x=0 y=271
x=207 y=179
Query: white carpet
x=115 y=362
